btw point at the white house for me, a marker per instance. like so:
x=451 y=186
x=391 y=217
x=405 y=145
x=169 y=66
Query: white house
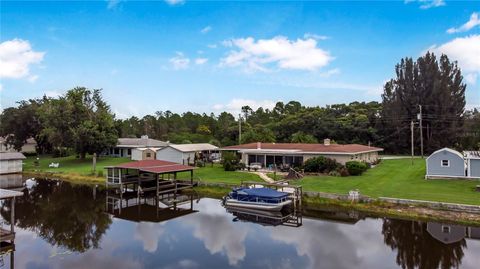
x=125 y=146
x=11 y=162
x=187 y=153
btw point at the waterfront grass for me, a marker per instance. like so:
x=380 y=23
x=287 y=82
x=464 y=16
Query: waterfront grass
x=398 y=179
x=78 y=170
x=216 y=174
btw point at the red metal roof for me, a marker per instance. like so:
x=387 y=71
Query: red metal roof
x=332 y=148
x=155 y=166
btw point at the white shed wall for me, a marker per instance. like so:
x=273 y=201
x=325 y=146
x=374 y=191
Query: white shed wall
x=137 y=155
x=10 y=166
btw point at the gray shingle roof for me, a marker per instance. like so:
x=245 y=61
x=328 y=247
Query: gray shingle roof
x=140 y=142
x=11 y=156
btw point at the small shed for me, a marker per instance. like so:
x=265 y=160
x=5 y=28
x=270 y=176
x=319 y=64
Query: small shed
x=11 y=162
x=445 y=163
x=140 y=154
x=186 y=153
x=447 y=234
x=473 y=163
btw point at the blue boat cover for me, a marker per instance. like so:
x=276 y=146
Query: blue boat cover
x=263 y=192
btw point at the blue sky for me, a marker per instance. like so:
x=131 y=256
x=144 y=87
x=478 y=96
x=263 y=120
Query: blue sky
x=215 y=56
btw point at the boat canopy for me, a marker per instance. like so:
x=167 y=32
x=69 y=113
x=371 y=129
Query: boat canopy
x=262 y=192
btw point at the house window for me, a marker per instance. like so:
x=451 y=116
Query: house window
x=446 y=229
x=129 y=152
x=445 y=163
x=149 y=155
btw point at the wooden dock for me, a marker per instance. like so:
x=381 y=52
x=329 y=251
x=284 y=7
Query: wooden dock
x=7 y=235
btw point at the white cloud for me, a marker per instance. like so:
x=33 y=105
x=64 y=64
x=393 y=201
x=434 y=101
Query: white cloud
x=212 y=46
x=235 y=105
x=426 y=4
x=179 y=62
x=16 y=58
x=465 y=50
x=111 y=4
x=206 y=29
x=33 y=78
x=52 y=94
x=149 y=234
x=473 y=22
x=201 y=61
x=315 y=36
x=175 y=2
x=300 y=54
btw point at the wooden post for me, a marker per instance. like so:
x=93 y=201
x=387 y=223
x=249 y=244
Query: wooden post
x=191 y=177
x=411 y=132
x=12 y=217
x=94 y=164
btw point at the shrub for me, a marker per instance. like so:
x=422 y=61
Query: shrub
x=343 y=171
x=314 y=164
x=100 y=173
x=230 y=161
x=334 y=173
x=356 y=168
x=330 y=165
x=199 y=163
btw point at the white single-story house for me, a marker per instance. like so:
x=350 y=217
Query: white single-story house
x=125 y=146
x=30 y=146
x=187 y=153
x=139 y=154
x=449 y=163
x=473 y=163
x=267 y=155
x=11 y=162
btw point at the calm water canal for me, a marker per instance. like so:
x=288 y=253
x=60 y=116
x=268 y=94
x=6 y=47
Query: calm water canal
x=60 y=225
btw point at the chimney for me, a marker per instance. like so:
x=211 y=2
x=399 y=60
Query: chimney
x=326 y=141
x=259 y=145
x=144 y=137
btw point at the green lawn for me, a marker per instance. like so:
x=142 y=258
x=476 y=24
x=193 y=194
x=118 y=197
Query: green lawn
x=218 y=175
x=398 y=179
x=71 y=164
x=74 y=166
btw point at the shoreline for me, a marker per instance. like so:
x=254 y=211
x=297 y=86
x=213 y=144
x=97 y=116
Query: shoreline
x=370 y=206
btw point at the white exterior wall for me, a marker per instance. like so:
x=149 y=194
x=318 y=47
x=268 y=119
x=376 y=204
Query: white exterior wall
x=10 y=166
x=170 y=154
x=137 y=155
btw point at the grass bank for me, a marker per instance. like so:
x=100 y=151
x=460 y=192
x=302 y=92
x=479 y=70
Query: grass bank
x=80 y=170
x=398 y=179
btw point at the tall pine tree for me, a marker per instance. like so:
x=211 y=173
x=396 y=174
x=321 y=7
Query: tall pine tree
x=435 y=85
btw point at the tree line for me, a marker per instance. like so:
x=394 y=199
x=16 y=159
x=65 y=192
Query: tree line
x=81 y=120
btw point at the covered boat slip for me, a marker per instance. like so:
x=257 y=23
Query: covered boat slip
x=145 y=176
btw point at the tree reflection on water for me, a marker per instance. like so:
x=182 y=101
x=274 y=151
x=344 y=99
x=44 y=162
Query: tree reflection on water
x=64 y=214
x=416 y=248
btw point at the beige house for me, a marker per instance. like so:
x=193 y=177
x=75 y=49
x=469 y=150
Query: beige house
x=268 y=155
x=30 y=146
x=139 y=154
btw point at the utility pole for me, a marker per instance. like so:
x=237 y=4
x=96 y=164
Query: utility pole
x=411 y=132
x=421 y=130
x=239 y=129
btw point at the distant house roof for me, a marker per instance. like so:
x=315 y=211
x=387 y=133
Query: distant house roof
x=193 y=147
x=302 y=148
x=140 y=142
x=475 y=154
x=154 y=166
x=11 y=156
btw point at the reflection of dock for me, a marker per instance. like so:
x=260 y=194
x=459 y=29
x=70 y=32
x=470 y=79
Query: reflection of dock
x=7 y=235
x=334 y=214
x=149 y=209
